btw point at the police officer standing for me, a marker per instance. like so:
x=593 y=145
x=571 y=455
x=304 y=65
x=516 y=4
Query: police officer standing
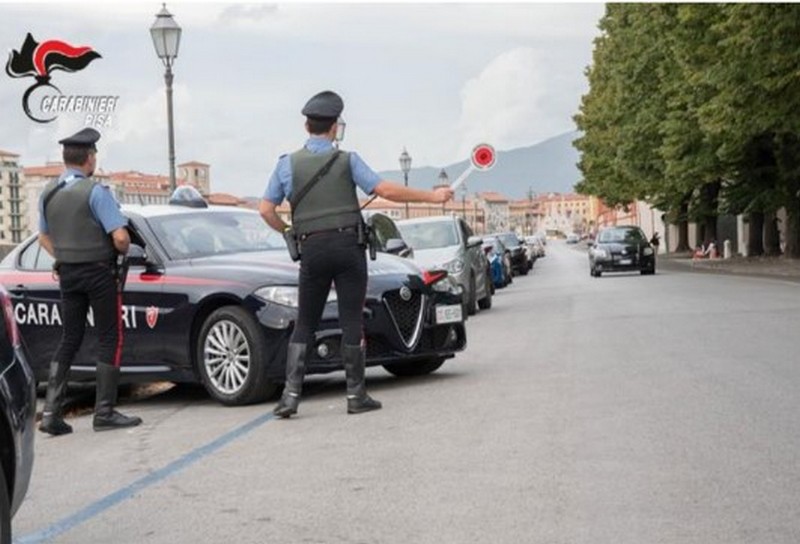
x=328 y=223
x=82 y=227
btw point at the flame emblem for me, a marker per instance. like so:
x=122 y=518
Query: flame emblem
x=151 y=314
x=39 y=60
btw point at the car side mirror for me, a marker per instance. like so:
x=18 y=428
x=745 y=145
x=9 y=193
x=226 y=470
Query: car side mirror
x=474 y=241
x=136 y=255
x=396 y=246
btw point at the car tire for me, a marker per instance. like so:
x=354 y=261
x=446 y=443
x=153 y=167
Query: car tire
x=419 y=368
x=523 y=270
x=472 y=299
x=228 y=332
x=486 y=302
x=5 y=510
x=648 y=272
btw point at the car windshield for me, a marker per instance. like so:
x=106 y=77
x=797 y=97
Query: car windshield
x=430 y=235
x=509 y=240
x=621 y=235
x=190 y=235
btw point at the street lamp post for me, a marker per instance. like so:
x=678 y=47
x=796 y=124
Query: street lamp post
x=464 y=201
x=444 y=180
x=405 y=166
x=166 y=36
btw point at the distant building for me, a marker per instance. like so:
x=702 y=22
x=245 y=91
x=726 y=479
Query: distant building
x=197 y=174
x=13 y=207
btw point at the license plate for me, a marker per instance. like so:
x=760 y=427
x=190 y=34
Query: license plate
x=448 y=314
x=625 y=261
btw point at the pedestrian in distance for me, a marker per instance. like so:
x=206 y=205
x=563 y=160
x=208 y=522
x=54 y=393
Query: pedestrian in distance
x=320 y=183
x=80 y=224
x=655 y=241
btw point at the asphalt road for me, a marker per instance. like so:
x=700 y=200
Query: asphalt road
x=625 y=409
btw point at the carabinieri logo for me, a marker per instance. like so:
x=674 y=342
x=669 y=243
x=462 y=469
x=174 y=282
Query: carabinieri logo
x=39 y=60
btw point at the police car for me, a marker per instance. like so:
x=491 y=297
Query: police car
x=211 y=297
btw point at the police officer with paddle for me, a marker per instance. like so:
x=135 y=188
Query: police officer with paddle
x=82 y=227
x=320 y=182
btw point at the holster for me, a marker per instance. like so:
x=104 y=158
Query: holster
x=120 y=267
x=292 y=245
x=366 y=238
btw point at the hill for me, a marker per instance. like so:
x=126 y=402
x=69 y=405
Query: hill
x=549 y=166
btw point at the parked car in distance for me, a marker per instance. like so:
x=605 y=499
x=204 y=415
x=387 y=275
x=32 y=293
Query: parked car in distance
x=446 y=241
x=621 y=249
x=516 y=249
x=536 y=245
x=17 y=411
x=573 y=238
x=500 y=260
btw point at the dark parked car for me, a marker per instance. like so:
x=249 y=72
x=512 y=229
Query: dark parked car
x=516 y=251
x=621 y=249
x=211 y=297
x=17 y=410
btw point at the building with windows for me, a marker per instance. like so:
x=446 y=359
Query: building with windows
x=13 y=205
x=197 y=174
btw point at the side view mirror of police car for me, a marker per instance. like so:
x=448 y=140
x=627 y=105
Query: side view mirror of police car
x=395 y=246
x=474 y=241
x=136 y=255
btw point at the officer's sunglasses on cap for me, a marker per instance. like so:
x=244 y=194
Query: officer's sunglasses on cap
x=340 y=126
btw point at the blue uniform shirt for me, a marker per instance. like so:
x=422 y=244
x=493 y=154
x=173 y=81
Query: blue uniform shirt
x=105 y=207
x=280 y=183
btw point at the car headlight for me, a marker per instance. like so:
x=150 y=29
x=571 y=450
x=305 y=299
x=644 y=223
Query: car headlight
x=286 y=295
x=647 y=251
x=447 y=286
x=279 y=294
x=602 y=253
x=455 y=266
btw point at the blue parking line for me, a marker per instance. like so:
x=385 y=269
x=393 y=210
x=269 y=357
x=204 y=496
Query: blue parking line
x=113 y=499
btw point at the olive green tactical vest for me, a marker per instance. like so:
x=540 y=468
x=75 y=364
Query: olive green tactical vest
x=332 y=203
x=77 y=236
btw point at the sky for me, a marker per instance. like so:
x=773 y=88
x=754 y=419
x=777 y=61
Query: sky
x=435 y=78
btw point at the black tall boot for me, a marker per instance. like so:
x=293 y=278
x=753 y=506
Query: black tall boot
x=295 y=371
x=105 y=417
x=357 y=399
x=53 y=414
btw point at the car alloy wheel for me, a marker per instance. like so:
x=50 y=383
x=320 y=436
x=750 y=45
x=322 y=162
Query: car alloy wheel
x=226 y=357
x=231 y=353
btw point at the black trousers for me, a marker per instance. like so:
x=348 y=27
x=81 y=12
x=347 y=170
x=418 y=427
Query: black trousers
x=332 y=257
x=90 y=285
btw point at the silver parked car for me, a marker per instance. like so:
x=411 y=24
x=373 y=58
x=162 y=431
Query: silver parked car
x=446 y=241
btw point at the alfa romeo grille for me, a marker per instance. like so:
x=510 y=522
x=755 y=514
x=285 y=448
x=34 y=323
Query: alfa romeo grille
x=407 y=315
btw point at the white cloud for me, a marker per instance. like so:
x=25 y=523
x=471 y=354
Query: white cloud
x=503 y=104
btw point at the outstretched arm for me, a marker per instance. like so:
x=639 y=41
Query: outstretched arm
x=400 y=193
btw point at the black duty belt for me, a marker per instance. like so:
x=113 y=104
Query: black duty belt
x=340 y=229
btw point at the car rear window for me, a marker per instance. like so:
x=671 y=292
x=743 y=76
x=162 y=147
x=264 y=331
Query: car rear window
x=621 y=235
x=429 y=235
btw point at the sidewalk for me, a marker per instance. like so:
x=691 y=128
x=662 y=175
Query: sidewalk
x=765 y=267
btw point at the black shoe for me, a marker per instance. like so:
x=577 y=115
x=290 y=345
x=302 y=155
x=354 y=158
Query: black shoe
x=114 y=420
x=362 y=404
x=55 y=426
x=287 y=407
